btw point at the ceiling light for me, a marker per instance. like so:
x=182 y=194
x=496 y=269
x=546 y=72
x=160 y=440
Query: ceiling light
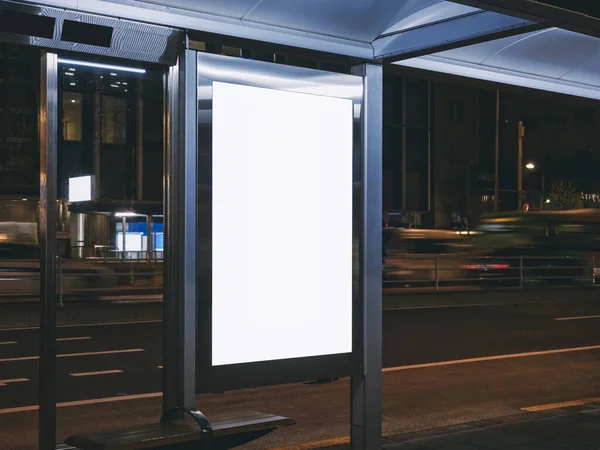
x=101 y=66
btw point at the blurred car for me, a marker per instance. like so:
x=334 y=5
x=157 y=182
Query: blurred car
x=511 y=266
x=20 y=273
x=542 y=247
x=410 y=256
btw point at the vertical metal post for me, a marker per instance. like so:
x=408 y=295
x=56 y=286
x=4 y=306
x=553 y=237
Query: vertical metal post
x=404 y=130
x=60 y=282
x=140 y=141
x=80 y=236
x=123 y=236
x=180 y=234
x=366 y=409
x=47 y=233
x=150 y=238
x=520 y=167
x=521 y=273
x=437 y=273
x=543 y=196
x=497 y=153
x=429 y=147
x=97 y=134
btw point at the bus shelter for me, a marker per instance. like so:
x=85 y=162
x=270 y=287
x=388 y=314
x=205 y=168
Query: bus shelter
x=333 y=168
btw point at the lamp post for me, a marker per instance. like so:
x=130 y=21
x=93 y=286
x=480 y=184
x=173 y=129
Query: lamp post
x=520 y=167
x=531 y=166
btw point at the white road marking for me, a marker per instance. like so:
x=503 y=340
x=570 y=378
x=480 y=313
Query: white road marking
x=73 y=355
x=100 y=372
x=93 y=401
x=80 y=338
x=491 y=358
x=8 y=343
x=105 y=324
x=14 y=380
x=577 y=318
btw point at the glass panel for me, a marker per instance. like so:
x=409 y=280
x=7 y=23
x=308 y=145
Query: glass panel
x=19 y=250
x=111 y=274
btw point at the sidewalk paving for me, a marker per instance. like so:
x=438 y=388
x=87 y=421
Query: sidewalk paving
x=572 y=428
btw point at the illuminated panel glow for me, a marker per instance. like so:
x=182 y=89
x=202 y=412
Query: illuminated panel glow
x=100 y=66
x=81 y=189
x=282 y=225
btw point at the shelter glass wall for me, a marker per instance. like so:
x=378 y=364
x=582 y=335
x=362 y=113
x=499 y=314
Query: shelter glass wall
x=19 y=249
x=110 y=119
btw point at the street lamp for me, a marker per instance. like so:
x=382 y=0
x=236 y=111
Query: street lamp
x=520 y=167
x=531 y=166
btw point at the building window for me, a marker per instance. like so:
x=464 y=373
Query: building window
x=72 y=116
x=456 y=111
x=231 y=51
x=114 y=120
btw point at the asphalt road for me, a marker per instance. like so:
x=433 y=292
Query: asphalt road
x=442 y=366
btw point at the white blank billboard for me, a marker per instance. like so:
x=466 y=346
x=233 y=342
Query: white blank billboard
x=282 y=225
x=81 y=189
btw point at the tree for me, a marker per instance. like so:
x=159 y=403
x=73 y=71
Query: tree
x=563 y=196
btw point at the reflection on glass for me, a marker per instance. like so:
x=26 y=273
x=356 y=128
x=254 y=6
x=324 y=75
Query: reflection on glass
x=114 y=120
x=19 y=250
x=72 y=116
x=111 y=136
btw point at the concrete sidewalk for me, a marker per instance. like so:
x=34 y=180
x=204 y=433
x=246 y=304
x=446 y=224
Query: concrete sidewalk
x=572 y=428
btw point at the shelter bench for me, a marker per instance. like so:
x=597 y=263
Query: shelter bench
x=224 y=432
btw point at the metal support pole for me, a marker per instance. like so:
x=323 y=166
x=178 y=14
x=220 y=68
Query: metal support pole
x=47 y=234
x=366 y=409
x=497 y=153
x=150 y=239
x=404 y=140
x=429 y=178
x=60 y=282
x=140 y=141
x=180 y=234
x=80 y=236
x=521 y=273
x=543 y=196
x=437 y=273
x=520 y=167
x=98 y=135
x=123 y=236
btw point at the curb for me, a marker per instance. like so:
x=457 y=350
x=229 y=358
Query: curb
x=486 y=298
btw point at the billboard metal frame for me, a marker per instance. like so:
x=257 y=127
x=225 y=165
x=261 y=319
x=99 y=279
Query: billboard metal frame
x=259 y=74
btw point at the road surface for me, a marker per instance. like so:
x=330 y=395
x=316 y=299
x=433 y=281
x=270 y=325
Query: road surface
x=441 y=366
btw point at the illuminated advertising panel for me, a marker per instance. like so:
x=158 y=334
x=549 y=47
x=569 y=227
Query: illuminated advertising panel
x=81 y=189
x=282 y=270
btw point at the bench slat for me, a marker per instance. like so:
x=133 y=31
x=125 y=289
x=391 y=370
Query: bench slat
x=246 y=425
x=179 y=431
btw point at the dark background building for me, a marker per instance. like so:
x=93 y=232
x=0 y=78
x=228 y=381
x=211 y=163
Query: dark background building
x=445 y=133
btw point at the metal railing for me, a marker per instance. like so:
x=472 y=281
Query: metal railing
x=81 y=279
x=109 y=253
x=438 y=272
x=94 y=279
